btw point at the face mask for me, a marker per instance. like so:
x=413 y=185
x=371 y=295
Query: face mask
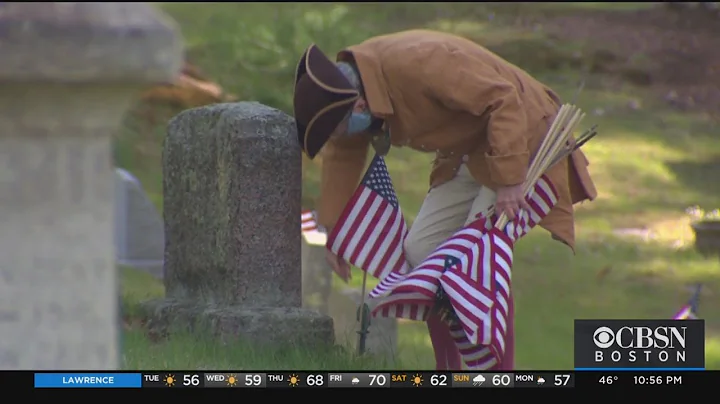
x=359 y=121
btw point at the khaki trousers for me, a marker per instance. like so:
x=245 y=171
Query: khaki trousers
x=446 y=209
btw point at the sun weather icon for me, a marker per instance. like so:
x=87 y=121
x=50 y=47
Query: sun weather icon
x=169 y=380
x=231 y=380
x=417 y=380
x=294 y=380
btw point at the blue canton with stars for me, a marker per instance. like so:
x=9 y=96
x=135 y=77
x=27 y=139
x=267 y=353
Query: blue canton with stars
x=451 y=261
x=377 y=179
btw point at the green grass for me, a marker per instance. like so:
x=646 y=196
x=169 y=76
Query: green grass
x=186 y=351
x=648 y=164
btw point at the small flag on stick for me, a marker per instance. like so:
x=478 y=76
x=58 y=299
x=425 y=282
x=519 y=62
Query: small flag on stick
x=371 y=229
x=690 y=310
x=308 y=221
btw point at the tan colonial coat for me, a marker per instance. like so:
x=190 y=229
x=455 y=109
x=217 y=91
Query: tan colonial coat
x=447 y=95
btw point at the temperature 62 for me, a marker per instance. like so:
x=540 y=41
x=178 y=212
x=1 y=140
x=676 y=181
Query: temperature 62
x=607 y=379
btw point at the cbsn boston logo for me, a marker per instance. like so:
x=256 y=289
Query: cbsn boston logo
x=635 y=341
x=636 y=344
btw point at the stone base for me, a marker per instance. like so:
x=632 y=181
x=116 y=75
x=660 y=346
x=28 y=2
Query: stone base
x=382 y=337
x=283 y=327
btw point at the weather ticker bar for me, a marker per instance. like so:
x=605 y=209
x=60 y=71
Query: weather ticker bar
x=340 y=380
x=353 y=380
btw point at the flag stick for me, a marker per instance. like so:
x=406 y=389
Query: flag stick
x=363 y=317
x=695 y=300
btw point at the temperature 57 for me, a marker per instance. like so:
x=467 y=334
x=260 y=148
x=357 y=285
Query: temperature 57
x=562 y=380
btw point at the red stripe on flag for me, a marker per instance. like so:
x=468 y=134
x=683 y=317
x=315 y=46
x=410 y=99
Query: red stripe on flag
x=377 y=244
x=390 y=245
x=370 y=225
x=349 y=227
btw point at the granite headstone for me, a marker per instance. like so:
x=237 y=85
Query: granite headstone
x=232 y=185
x=139 y=230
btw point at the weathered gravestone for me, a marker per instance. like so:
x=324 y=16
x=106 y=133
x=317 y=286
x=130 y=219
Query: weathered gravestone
x=67 y=73
x=139 y=230
x=316 y=273
x=341 y=303
x=231 y=200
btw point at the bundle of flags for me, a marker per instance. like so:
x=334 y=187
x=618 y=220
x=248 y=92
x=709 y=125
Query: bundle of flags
x=690 y=310
x=473 y=267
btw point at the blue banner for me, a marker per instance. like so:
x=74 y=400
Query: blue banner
x=88 y=380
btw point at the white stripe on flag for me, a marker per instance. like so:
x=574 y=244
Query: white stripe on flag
x=360 y=227
x=350 y=220
x=373 y=238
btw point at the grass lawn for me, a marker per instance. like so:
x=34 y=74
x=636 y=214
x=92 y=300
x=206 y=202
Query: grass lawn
x=649 y=164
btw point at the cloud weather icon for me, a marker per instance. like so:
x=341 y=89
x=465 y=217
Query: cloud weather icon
x=478 y=380
x=355 y=380
x=541 y=380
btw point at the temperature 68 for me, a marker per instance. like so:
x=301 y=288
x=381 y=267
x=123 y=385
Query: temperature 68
x=315 y=380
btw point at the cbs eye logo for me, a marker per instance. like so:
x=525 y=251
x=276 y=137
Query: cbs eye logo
x=603 y=337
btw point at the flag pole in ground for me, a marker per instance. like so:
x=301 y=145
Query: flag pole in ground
x=363 y=317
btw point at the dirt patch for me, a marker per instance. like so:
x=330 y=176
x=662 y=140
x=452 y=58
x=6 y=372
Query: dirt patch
x=673 y=52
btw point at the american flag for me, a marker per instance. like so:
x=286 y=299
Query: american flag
x=371 y=228
x=308 y=221
x=473 y=268
x=689 y=311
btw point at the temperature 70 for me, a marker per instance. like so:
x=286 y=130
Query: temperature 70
x=607 y=379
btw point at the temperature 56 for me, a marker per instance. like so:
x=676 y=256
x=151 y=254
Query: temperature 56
x=191 y=380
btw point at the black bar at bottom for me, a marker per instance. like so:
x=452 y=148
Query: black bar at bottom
x=610 y=379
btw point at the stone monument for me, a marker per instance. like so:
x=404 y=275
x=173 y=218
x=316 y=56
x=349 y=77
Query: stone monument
x=139 y=229
x=232 y=186
x=68 y=71
x=316 y=273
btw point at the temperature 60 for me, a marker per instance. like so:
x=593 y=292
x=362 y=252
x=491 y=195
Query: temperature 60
x=501 y=380
x=607 y=379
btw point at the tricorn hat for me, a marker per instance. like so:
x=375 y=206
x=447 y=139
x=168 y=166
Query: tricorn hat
x=323 y=98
